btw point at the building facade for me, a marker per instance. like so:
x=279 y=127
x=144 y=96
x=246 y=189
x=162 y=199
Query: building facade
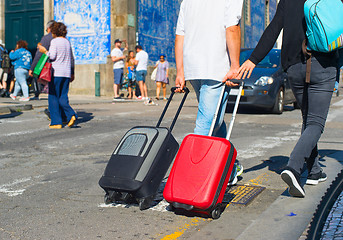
x=93 y=25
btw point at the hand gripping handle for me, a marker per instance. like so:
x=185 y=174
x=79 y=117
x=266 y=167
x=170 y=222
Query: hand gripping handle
x=241 y=83
x=186 y=91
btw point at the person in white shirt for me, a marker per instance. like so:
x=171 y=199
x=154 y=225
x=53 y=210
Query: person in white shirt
x=118 y=57
x=142 y=58
x=207 y=50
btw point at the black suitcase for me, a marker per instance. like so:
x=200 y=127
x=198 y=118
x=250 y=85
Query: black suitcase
x=140 y=162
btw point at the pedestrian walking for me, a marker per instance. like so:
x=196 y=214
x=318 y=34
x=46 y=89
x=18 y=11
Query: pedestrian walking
x=5 y=65
x=21 y=59
x=118 y=57
x=142 y=59
x=45 y=42
x=204 y=33
x=313 y=98
x=162 y=77
x=61 y=56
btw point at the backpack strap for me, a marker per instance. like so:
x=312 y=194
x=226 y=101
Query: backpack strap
x=308 y=56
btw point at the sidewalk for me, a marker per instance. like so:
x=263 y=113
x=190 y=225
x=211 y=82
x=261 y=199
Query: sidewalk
x=8 y=105
x=288 y=217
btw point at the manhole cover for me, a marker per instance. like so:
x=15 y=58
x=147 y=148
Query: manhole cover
x=242 y=194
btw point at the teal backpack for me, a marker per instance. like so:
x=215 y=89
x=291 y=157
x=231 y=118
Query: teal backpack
x=324 y=20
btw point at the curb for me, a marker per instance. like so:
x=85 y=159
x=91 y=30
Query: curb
x=15 y=108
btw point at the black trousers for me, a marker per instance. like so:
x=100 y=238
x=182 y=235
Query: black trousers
x=314 y=100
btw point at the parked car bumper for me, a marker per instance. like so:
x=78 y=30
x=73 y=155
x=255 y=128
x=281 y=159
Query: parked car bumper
x=255 y=96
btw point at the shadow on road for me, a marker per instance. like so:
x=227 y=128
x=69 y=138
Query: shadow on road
x=84 y=117
x=274 y=164
x=10 y=115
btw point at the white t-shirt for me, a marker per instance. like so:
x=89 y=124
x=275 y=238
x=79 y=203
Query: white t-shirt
x=116 y=52
x=142 y=57
x=203 y=24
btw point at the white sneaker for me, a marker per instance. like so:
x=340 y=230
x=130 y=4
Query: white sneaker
x=234 y=181
x=13 y=97
x=24 y=99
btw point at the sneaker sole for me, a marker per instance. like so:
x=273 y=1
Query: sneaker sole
x=315 y=182
x=240 y=171
x=234 y=181
x=295 y=189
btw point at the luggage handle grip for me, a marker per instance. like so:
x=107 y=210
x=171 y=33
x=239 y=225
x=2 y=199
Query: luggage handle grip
x=173 y=90
x=241 y=84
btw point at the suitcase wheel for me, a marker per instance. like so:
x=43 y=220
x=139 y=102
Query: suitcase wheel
x=111 y=197
x=216 y=212
x=107 y=199
x=145 y=203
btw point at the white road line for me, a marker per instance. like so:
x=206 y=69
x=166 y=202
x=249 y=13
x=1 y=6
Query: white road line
x=260 y=148
x=8 y=188
x=18 y=187
x=21 y=132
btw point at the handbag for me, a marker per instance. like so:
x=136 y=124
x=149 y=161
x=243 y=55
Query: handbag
x=41 y=62
x=45 y=75
x=153 y=74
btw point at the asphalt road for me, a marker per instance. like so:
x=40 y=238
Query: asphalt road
x=49 y=178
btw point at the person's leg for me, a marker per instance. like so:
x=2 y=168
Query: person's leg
x=17 y=85
x=315 y=104
x=64 y=100
x=11 y=85
x=139 y=82
x=145 y=89
x=208 y=93
x=36 y=87
x=164 y=88
x=4 y=80
x=158 y=89
x=53 y=99
x=117 y=75
x=314 y=99
x=24 y=86
x=129 y=90
x=21 y=76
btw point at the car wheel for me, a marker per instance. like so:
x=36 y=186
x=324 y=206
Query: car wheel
x=279 y=101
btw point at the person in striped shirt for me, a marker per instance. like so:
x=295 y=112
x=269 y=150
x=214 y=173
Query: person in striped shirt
x=61 y=56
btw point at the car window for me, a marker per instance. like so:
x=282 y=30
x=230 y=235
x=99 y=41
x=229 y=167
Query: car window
x=272 y=60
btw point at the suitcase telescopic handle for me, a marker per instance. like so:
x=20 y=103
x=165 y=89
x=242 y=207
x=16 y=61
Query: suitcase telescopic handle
x=233 y=117
x=173 y=90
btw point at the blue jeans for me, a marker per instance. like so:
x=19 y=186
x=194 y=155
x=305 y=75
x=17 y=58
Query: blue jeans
x=21 y=75
x=58 y=100
x=208 y=93
x=314 y=100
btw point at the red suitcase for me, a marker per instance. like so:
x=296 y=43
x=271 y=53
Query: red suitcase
x=201 y=171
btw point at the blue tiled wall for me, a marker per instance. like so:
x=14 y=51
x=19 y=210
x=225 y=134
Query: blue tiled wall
x=254 y=31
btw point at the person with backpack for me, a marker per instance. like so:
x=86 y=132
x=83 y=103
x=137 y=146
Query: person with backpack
x=313 y=97
x=5 y=64
x=21 y=59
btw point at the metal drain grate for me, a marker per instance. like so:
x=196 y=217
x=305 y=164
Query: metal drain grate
x=242 y=194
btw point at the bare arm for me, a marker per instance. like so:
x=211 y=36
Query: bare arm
x=115 y=59
x=180 y=75
x=233 y=41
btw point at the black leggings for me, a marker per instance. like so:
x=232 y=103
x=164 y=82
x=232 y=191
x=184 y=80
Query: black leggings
x=314 y=100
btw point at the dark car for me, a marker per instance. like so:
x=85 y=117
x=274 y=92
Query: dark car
x=268 y=86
